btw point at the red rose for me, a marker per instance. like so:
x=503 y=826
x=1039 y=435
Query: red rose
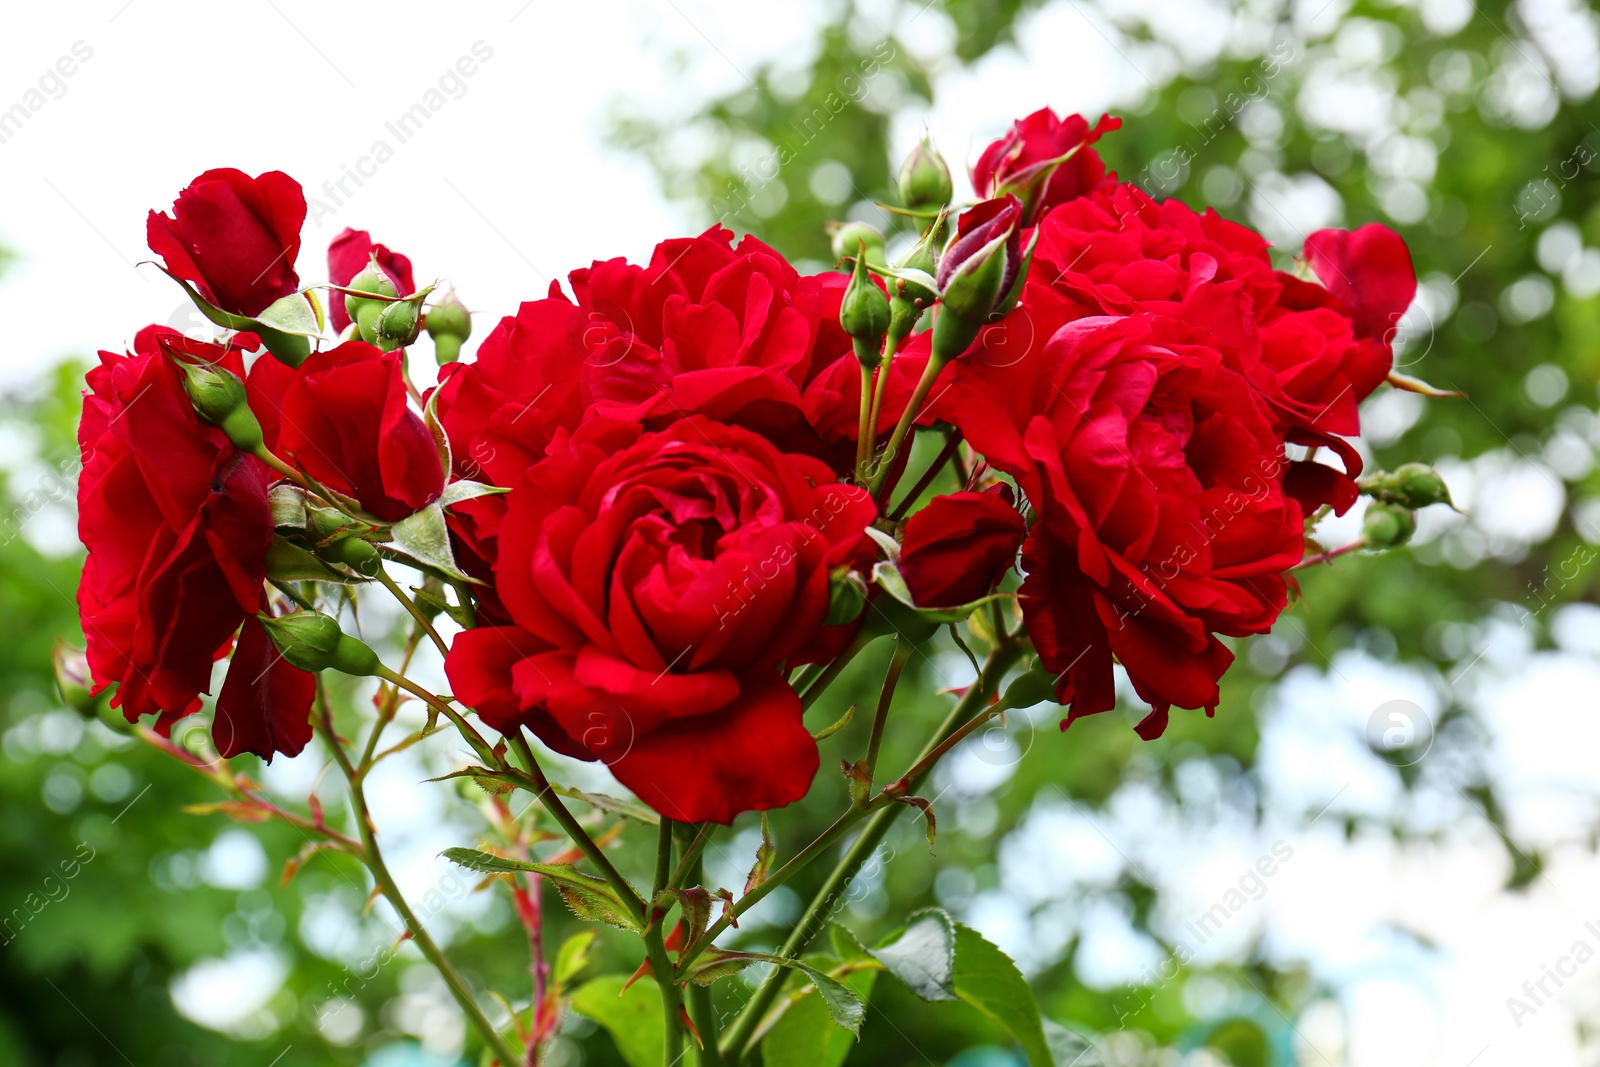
x=343 y=418
x=177 y=527
x=958 y=547
x=709 y=328
x=1027 y=161
x=1368 y=270
x=1116 y=251
x=234 y=237
x=348 y=255
x=657 y=582
x=1163 y=521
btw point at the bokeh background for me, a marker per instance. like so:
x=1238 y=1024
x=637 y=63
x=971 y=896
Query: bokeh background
x=1414 y=746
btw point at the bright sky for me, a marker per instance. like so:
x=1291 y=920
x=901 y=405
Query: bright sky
x=509 y=185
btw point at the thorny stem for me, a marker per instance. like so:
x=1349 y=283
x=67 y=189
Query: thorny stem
x=411 y=609
x=863 y=638
x=688 y=868
x=821 y=908
x=373 y=858
x=439 y=704
x=897 y=664
x=1331 y=554
x=391 y=702
x=701 y=1010
x=580 y=837
x=908 y=419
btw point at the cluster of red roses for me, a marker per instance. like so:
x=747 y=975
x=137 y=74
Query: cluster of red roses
x=679 y=442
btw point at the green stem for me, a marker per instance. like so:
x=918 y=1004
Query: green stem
x=411 y=609
x=908 y=418
x=671 y=995
x=701 y=1010
x=897 y=663
x=373 y=858
x=663 y=857
x=862 y=639
x=944 y=456
x=866 y=435
x=580 y=837
x=822 y=905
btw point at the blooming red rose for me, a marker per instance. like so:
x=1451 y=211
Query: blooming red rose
x=348 y=255
x=234 y=237
x=958 y=547
x=1156 y=472
x=708 y=327
x=656 y=583
x=177 y=527
x=1028 y=163
x=1118 y=252
x=343 y=418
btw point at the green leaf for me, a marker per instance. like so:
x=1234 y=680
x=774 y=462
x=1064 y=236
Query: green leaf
x=574 y=955
x=456 y=492
x=632 y=1018
x=765 y=853
x=694 y=907
x=631 y=809
x=844 y=1007
x=987 y=979
x=292 y=314
x=1068 y=1048
x=804 y=1035
x=424 y=538
x=924 y=955
x=589 y=897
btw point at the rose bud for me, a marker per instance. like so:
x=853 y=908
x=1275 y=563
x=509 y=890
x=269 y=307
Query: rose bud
x=220 y=400
x=398 y=324
x=352 y=252
x=364 y=311
x=1411 y=485
x=449 y=323
x=980 y=274
x=73 y=680
x=1387 y=525
x=1043 y=161
x=233 y=237
x=314 y=642
x=958 y=548
x=924 y=178
x=864 y=312
x=849 y=236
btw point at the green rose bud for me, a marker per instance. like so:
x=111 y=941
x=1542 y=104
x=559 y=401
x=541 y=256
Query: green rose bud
x=220 y=400
x=1412 y=485
x=398 y=324
x=355 y=553
x=449 y=324
x=1033 y=686
x=1387 y=525
x=371 y=280
x=864 y=312
x=314 y=642
x=924 y=179
x=73 y=681
x=848 y=237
